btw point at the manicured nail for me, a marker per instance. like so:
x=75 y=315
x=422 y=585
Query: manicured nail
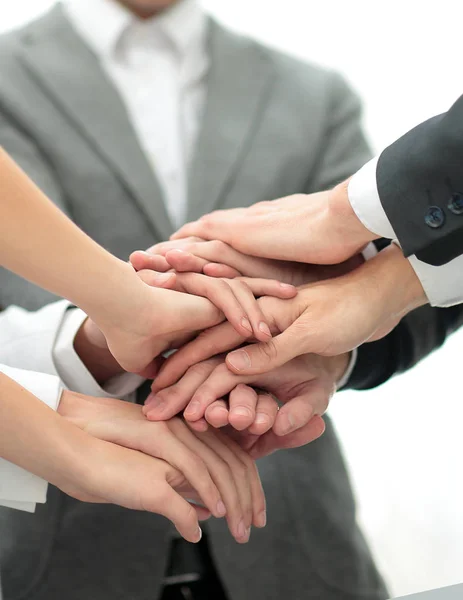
x=239 y=360
x=263 y=327
x=221 y=510
x=193 y=408
x=261 y=419
x=246 y=324
x=199 y=534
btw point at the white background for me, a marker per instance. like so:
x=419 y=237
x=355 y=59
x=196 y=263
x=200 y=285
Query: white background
x=403 y=441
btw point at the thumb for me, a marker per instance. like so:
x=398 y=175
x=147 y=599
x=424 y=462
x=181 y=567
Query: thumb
x=266 y=356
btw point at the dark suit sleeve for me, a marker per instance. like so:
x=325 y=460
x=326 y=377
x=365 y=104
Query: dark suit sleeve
x=420 y=184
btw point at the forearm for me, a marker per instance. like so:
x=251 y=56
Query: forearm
x=41 y=244
x=37 y=439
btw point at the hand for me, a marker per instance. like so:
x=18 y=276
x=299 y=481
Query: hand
x=214 y=469
x=218 y=259
x=327 y=318
x=304 y=386
x=319 y=228
x=163 y=319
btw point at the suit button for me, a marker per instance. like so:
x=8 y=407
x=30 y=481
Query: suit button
x=435 y=217
x=455 y=204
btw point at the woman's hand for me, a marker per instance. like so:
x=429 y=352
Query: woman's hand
x=209 y=467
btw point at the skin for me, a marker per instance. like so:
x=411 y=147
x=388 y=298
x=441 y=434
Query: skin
x=146 y=9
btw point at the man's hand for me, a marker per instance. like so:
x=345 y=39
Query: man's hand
x=208 y=467
x=328 y=318
x=304 y=386
x=320 y=228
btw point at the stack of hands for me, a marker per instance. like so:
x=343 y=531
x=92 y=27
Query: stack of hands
x=264 y=306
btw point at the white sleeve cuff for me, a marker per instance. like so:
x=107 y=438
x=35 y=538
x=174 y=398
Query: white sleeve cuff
x=75 y=375
x=348 y=372
x=442 y=285
x=364 y=199
x=19 y=488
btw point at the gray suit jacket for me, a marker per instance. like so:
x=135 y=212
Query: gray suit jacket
x=272 y=126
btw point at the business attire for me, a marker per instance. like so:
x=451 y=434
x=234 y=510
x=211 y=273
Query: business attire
x=413 y=193
x=133 y=128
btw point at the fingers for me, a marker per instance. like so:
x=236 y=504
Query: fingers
x=141 y=260
x=266 y=413
x=221 y=465
x=217 y=414
x=243 y=402
x=159 y=280
x=183 y=261
x=296 y=413
x=261 y=358
x=175 y=451
x=209 y=343
x=208 y=229
x=247 y=481
x=271 y=442
x=164 y=404
x=180 y=512
x=234 y=298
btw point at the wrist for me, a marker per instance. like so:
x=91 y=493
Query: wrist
x=398 y=288
x=347 y=224
x=90 y=345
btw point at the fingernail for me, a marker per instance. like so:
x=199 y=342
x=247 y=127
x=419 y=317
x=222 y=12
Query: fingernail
x=221 y=510
x=261 y=419
x=241 y=411
x=239 y=360
x=164 y=276
x=246 y=324
x=241 y=530
x=263 y=327
x=192 y=408
x=291 y=425
x=262 y=519
x=199 y=534
x=178 y=251
x=153 y=402
x=286 y=286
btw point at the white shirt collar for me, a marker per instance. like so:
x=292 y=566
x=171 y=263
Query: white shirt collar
x=103 y=23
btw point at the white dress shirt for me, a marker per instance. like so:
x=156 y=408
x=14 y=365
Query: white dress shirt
x=443 y=285
x=159 y=67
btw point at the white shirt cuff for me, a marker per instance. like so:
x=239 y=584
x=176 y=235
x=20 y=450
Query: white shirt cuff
x=364 y=199
x=19 y=488
x=442 y=285
x=348 y=372
x=75 y=375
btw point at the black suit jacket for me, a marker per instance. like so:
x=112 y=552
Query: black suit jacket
x=420 y=184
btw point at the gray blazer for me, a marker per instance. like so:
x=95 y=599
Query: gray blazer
x=273 y=126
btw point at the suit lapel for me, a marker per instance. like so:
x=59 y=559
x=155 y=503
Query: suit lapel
x=95 y=109
x=239 y=82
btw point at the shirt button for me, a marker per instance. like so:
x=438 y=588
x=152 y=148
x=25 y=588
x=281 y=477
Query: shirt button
x=435 y=217
x=455 y=204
